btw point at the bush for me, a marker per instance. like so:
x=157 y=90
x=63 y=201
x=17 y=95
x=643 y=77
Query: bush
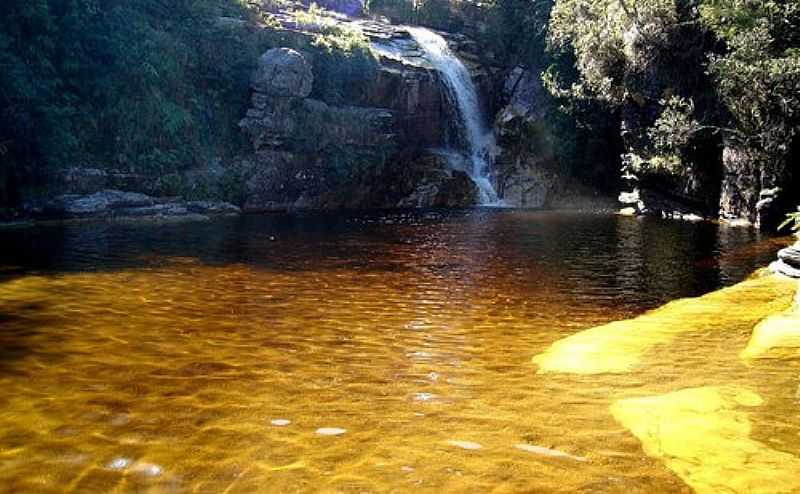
x=342 y=61
x=141 y=86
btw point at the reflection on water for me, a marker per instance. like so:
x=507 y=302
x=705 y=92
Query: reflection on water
x=354 y=353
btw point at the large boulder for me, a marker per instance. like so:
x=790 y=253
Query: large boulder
x=283 y=72
x=788 y=262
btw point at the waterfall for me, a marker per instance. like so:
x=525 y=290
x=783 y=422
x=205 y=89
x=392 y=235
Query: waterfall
x=461 y=90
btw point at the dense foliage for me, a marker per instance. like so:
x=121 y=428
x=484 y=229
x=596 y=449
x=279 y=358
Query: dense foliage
x=660 y=54
x=342 y=57
x=137 y=85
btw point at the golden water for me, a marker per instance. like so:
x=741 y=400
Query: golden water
x=156 y=359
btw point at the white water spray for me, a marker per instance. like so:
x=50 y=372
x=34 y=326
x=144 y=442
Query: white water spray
x=479 y=140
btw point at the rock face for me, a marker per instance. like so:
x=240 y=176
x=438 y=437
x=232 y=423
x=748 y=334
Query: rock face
x=78 y=180
x=347 y=7
x=525 y=166
x=300 y=144
x=756 y=189
x=310 y=153
x=432 y=183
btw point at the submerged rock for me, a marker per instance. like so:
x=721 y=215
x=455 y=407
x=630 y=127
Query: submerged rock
x=619 y=346
x=776 y=336
x=331 y=431
x=703 y=435
x=465 y=444
x=541 y=450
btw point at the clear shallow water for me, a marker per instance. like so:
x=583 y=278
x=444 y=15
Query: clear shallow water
x=157 y=357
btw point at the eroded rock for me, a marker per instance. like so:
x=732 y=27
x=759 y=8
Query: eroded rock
x=283 y=72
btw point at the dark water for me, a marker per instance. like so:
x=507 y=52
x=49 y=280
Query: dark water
x=156 y=358
x=634 y=262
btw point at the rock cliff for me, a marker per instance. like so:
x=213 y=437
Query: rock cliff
x=375 y=151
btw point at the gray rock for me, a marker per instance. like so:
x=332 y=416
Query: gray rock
x=117 y=204
x=526 y=96
x=784 y=268
x=97 y=204
x=433 y=183
x=212 y=207
x=283 y=72
x=791 y=255
x=528 y=186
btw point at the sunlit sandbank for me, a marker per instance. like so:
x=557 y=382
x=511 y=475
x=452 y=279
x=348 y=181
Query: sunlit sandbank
x=703 y=435
x=619 y=346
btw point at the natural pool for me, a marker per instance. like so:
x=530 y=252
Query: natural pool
x=369 y=352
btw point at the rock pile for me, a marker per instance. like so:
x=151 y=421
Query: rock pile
x=788 y=262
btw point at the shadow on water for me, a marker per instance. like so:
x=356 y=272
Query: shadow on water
x=657 y=259
x=24 y=327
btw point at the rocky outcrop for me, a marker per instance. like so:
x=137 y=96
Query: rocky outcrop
x=346 y=7
x=756 y=188
x=310 y=153
x=303 y=146
x=525 y=165
x=430 y=181
x=81 y=180
x=283 y=73
x=117 y=204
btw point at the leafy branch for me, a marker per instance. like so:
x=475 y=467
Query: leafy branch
x=792 y=221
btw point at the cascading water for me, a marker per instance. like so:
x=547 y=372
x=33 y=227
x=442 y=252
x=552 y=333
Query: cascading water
x=479 y=140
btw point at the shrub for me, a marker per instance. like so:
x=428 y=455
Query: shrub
x=343 y=59
x=143 y=86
